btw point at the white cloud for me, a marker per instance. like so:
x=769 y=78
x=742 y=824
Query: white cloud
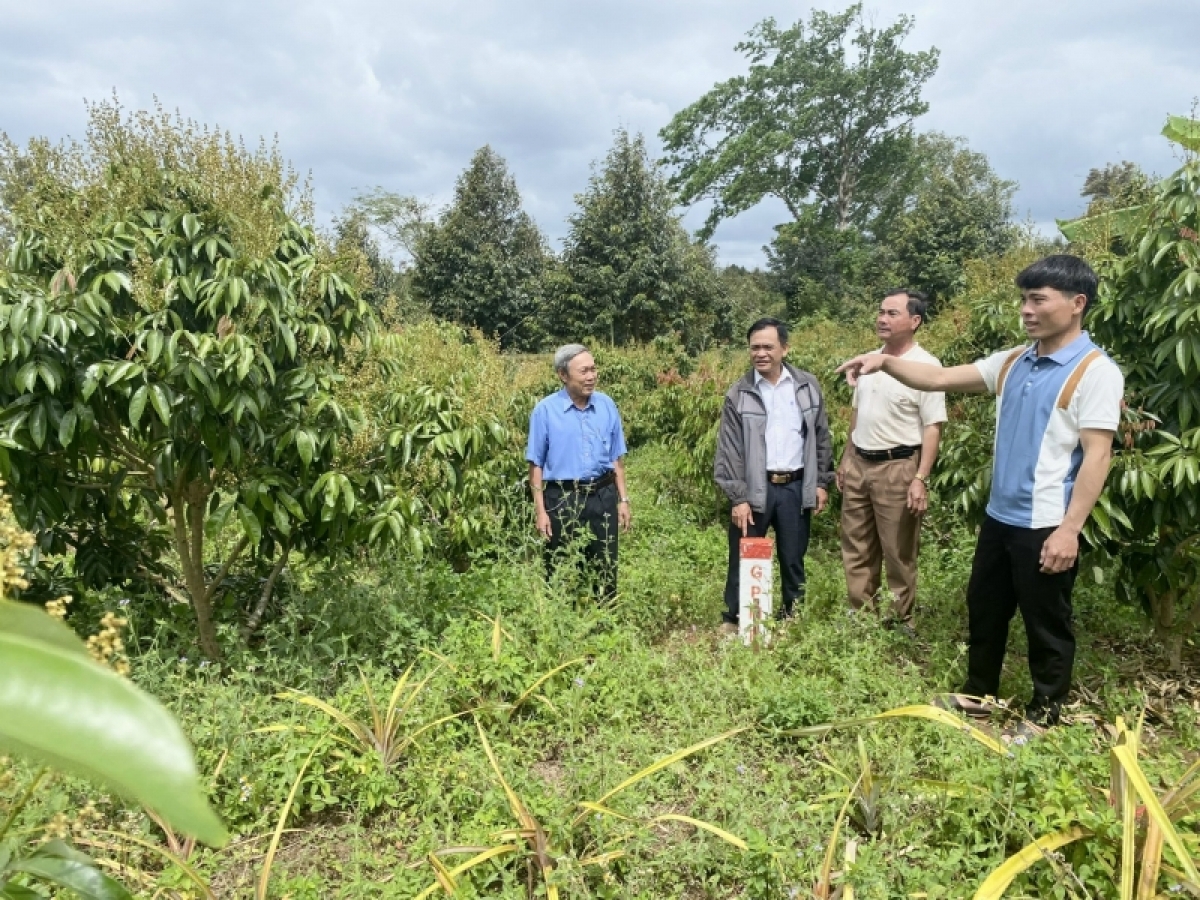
x=368 y=93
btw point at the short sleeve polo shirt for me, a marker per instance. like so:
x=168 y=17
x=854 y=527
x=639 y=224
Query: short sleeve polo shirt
x=570 y=444
x=1037 y=453
x=891 y=414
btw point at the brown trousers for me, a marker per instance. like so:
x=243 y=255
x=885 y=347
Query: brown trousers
x=878 y=529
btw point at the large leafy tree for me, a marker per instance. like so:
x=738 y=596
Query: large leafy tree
x=483 y=263
x=823 y=118
x=958 y=209
x=169 y=331
x=822 y=270
x=1148 y=316
x=630 y=272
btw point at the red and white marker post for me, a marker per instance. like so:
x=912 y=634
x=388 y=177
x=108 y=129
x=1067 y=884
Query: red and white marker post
x=754 y=603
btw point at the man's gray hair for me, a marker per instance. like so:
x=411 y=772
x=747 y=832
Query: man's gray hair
x=564 y=354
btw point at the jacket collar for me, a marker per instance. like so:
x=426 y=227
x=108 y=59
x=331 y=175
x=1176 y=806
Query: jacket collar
x=748 y=382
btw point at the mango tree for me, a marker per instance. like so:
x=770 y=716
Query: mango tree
x=1148 y=316
x=169 y=335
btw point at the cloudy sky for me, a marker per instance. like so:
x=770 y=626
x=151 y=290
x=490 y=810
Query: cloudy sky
x=399 y=94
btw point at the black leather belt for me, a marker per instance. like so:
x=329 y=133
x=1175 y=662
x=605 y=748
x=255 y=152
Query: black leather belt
x=584 y=484
x=883 y=455
x=785 y=477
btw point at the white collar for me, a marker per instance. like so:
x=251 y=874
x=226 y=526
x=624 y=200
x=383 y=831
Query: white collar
x=785 y=376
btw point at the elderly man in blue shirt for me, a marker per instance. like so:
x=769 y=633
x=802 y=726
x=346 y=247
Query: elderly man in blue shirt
x=576 y=470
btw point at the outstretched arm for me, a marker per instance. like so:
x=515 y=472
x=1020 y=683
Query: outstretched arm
x=921 y=376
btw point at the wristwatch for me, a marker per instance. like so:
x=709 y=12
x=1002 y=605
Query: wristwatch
x=623 y=500
x=924 y=479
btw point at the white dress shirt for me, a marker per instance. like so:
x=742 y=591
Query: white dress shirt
x=785 y=427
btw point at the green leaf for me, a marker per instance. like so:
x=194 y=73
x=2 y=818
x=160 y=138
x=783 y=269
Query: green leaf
x=62 y=708
x=66 y=428
x=154 y=346
x=281 y=519
x=12 y=891
x=997 y=883
x=304 y=445
x=137 y=403
x=250 y=523
x=190 y=225
x=1183 y=131
x=37 y=426
x=83 y=878
x=1103 y=227
x=33 y=623
x=161 y=402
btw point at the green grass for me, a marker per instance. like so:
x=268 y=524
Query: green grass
x=656 y=678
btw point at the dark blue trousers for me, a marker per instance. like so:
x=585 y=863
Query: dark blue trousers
x=786 y=515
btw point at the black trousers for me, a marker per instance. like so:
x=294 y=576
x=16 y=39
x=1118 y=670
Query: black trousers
x=591 y=514
x=1006 y=576
x=785 y=513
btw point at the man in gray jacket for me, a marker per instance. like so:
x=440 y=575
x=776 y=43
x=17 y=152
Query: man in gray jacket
x=774 y=460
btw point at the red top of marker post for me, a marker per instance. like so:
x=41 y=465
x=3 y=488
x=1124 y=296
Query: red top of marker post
x=756 y=548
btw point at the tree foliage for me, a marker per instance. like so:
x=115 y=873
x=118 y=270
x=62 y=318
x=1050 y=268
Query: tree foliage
x=1116 y=186
x=483 y=264
x=630 y=272
x=825 y=271
x=823 y=118
x=1148 y=316
x=169 y=331
x=958 y=209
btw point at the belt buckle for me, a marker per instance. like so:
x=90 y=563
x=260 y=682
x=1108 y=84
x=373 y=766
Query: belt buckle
x=778 y=478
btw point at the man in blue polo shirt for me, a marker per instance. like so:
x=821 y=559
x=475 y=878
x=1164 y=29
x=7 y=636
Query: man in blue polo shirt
x=1057 y=410
x=576 y=469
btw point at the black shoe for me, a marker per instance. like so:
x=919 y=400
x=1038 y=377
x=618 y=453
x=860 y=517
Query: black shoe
x=965 y=704
x=1043 y=713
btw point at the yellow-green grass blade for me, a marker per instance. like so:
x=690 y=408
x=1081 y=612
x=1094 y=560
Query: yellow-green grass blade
x=445 y=880
x=355 y=728
x=1126 y=804
x=824 y=888
x=916 y=711
x=704 y=826
x=399 y=748
x=1183 y=881
x=514 y=802
x=471 y=863
x=269 y=860
x=1151 y=862
x=851 y=858
x=537 y=684
x=663 y=763
x=394 y=703
x=605 y=811
x=997 y=883
x=192 y=875
x=375 y=732
x=60 y=707
x=1182 y=791
x=1154 y=809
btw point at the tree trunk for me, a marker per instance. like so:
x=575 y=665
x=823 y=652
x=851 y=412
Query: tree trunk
x=264 y=598
x=190 y=546
x=1162 y=606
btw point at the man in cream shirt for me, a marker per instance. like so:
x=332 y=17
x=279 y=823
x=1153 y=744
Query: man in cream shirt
x=894 y=436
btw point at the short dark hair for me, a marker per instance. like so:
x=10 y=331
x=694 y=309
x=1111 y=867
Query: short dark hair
x=1061 y=272
x=918 y=301
x=769 y=322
